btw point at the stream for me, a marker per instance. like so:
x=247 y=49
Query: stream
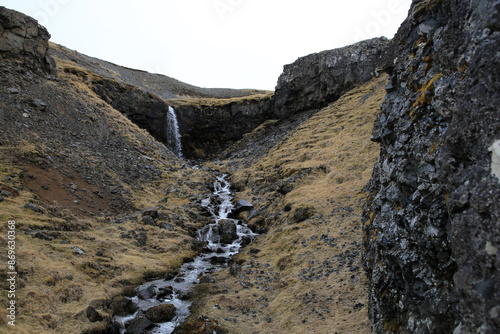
x=217 y=253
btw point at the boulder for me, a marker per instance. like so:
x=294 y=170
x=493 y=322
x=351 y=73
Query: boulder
x=242 y=205
x=122 y=306
x=161 y=313
x=227 y=231
x=138 y=325
x=146 y=293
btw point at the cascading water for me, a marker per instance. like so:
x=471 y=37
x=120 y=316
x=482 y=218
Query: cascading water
x=173 y=135
x=219 y=204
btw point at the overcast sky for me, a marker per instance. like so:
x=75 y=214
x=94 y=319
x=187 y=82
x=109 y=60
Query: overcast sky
x=212 y=43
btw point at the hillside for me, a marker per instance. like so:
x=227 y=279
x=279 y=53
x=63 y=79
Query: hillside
x=371 y=176
x=161 y=85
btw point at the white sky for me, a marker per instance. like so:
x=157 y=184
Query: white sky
x=212 y=43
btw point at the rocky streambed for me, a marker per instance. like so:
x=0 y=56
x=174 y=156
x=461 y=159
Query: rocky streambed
x=160 y=306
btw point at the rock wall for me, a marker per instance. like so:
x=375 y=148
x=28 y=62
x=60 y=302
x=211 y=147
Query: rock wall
x=146 y=110
x=207 y=128
x=23 y=39
x=318 y=79
x=432 y=223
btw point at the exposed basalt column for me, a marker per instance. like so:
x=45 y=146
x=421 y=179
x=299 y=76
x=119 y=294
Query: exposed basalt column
x=432 y=223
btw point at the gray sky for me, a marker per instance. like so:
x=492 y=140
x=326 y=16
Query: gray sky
x=212 y=43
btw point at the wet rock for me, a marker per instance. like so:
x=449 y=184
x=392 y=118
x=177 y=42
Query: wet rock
x=218 y=260
x=185 y=295
x=227 y=231
x=146 y=293
x=240 y=206
x=160 y=313
x=138 y=325
x=165 y=293
x=199 y=246
x=122 y=306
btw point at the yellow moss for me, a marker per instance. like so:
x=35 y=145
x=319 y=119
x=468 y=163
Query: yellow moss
x=426 y=94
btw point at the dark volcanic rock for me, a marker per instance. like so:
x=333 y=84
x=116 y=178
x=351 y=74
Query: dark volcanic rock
x=138 y=325
x=161 y=313
x=22 y=38
x=313 y=81
x=122 y=306
x=431 y=224
x=207 y=128
x=227 y=231
x=146 y=293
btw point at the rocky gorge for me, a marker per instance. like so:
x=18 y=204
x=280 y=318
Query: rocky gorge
x=372 y=172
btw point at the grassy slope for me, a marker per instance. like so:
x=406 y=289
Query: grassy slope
x=81 y=140
x=305 y=276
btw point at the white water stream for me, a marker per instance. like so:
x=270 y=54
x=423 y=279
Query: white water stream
x=220 y=205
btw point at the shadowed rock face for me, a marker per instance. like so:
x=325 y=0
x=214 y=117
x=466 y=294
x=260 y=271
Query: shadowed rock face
x=318 y=79
x=207 y=129
x=24 y=39
x=432 y=223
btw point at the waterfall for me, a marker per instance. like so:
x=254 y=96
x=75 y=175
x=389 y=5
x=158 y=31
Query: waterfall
x=173 y=135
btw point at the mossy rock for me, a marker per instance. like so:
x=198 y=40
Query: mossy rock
x=161 y=313
x=303 y=212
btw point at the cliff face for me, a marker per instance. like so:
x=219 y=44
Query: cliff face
x=208 y=126
x=313 y=81
x=432 y=222
x=23 y=39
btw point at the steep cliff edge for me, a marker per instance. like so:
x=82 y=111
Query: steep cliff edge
x=23 y=39
x=432 y=222
x=314 y=81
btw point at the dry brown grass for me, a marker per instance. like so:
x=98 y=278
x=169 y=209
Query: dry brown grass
x=212 y=102
x=334 y=151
